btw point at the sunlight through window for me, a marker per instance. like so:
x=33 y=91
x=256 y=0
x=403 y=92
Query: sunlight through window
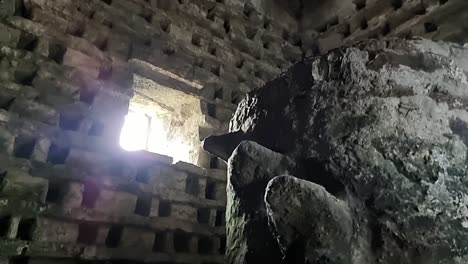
x=143 y=132
x=135 y=132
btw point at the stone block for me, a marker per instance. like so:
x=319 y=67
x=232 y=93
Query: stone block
x=89 y=66
x=217 y=174
x=7 y=140
x=180 y=34
x=193 y=245
x=89 y=163
x=8 y=8
x=137 y=238
x=27 y=25
x=116 y=203
x=49 y=230
x=237 y=27
x=24 y=70
x=77 y=22
x=36 y=111
x=49 y=20
x=330 y=41
x=73 y=196
x=127 y=6
x=84 y=46
x=376 y=8
x=9 y=36
x=121 y=76
x=167 y=5
x=165 y=178
x=23 y=186
x=202 y=183
x=190 y=168
x=119 y=45
x=154 y=212
x=96 y=34
x=223 y=114
x=184 y=212
x=247 y=46
x=12 y=231
x=57 y=86
x=291 y=53
x=111 y=103
x=49 y=5
x=102 y=235
x=41 y=150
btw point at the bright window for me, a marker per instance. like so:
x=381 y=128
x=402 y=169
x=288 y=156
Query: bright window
x=135 y=132
x=144 y=132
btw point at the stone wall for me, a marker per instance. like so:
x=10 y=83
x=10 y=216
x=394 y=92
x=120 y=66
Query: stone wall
x=331 y=24
x=351 y=158
x=68 y=193
x=228 y=48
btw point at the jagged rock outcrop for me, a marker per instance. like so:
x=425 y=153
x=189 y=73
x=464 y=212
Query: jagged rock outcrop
x=382 y=126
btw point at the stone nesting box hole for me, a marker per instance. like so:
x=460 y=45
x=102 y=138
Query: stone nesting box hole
x=114 y=236
x=26 y=228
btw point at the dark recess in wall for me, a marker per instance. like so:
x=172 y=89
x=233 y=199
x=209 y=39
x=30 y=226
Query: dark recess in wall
x=294 y=7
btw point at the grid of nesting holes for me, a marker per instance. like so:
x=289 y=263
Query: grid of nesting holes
x=421 y=9
x=25 y=229
x=204 y=216
x=88 y=233
x=180 y=242
x=192 y=187
x=24 y=148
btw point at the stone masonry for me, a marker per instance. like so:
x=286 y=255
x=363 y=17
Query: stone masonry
x=68 y=193
x=357 y=156
x=326 y=25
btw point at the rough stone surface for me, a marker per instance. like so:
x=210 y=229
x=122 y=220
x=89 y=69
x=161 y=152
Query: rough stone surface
x=250 y=168
x=328 y=24
x=381 y=126
x=69 y=71
x=311 y=217
x=68 y=192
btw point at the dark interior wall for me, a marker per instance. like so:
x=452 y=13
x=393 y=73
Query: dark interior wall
x=293 y=7
x=318 y=13
x=328 y=24
x=284 y=12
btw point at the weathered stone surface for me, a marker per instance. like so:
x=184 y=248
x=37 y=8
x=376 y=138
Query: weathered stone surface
x=348 y=21
x=380 y=125
x=20 y=185
x=66 y=87
x=8 y=8
x=73 y=196
x=67 y=83
x=304 y=212
x=184 y=212
x=251 y=167
x=116 y=203
x=137 y=238
x=55 y=231
x=222 y=146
